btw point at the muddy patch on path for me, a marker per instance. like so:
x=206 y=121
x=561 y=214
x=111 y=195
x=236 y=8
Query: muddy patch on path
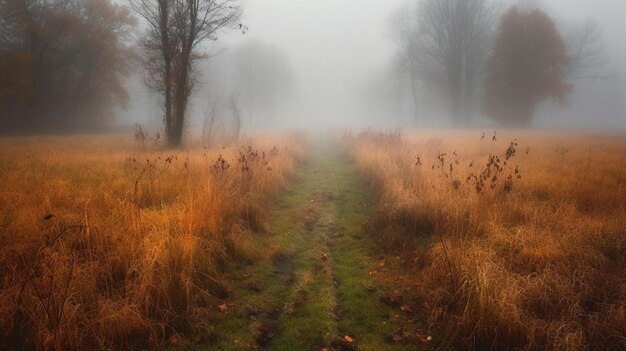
x=284 y=267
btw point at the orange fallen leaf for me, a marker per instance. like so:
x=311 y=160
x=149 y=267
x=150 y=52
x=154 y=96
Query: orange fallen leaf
x=406 y=308
x=397 y=338
x=424 y=339
x=348 y=339
x=223 y=308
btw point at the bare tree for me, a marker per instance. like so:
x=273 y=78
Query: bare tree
x=262 y=80
x=236 y=114
x=222 y=121
x=586 y=52
x=404 y=28
x=211 y=120
x=453 y=40
x=175 y=30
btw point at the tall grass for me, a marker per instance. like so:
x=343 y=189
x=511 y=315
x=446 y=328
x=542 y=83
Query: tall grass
x=110 y=244
x=534 y=259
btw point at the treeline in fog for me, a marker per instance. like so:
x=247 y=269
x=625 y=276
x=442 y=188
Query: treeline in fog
x=463 y=60
x=67 y=65
x=62 y=63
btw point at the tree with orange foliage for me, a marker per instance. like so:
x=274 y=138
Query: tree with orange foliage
x=527 y=66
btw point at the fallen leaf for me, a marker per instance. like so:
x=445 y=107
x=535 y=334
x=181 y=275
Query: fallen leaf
x=424 y=338
x=397 y=337
x=345 y=343
x=223 y=307
x=289 y=309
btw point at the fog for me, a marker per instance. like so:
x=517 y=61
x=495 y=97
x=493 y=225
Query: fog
x=595 y=103
x=341 y=54
x=338 y=63
x=333 y=48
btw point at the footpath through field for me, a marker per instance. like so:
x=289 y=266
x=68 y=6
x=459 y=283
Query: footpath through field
x=312 y=291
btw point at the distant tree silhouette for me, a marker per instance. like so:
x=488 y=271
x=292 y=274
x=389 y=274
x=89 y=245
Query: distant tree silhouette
x=445 y=43
x=527 y=66
x=62 y=63
x=263 y=77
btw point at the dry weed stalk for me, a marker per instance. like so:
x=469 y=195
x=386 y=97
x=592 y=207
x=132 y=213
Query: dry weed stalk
x=158 y=226
x=510 y=261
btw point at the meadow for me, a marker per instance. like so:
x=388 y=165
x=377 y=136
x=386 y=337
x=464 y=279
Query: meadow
x=507 y=240
x=114 y=243
x=373 y=240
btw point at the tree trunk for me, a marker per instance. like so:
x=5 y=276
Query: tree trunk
x=468 y=103
x=416 y=104
x=175 y=136
x=181 y=98
x=456 y=100
x=168 y=100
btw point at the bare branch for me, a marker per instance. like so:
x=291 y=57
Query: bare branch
x=176 y=28
x=586 y=52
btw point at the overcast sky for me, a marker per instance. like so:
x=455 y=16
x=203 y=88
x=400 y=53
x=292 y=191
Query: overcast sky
x=335 y=45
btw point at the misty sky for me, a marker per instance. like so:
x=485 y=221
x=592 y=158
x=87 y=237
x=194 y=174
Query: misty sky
x=332 y=45
x=335 y=46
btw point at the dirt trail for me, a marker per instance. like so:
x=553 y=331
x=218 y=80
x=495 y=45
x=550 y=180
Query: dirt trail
x=313 y=291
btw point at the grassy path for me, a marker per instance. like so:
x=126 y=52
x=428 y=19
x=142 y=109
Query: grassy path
x=312 y=290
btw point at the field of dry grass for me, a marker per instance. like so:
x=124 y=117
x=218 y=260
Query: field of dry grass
x=514 y=240
x=107 y=244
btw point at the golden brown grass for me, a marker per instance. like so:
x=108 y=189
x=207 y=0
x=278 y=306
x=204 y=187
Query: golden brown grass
x=130 y=253
x=538 y=261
